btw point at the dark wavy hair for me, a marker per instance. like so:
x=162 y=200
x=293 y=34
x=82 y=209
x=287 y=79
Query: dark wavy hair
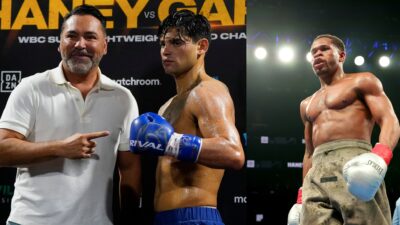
x=188 y=24
x=86 y=10
x=335 y=41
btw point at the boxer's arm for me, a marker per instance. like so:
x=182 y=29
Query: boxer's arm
x=381 y=109
x=16 y=150
x=365 y=173
x=129 y=168
x=306 y=162
x=309 y=149
x=214 y=110
x=295 y=212
x=308 y=152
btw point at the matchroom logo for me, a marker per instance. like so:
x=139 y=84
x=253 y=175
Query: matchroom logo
x=9 y=80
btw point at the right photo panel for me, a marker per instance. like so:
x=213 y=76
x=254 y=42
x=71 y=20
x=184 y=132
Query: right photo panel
x=323 y=109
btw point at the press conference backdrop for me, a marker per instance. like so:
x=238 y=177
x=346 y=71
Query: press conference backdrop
x=275 y=89
x=29 y=37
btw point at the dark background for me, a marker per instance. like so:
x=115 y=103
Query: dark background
x=275 y=90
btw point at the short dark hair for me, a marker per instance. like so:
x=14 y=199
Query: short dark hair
x=187 y=23
x=86 y=10
x=335 y=40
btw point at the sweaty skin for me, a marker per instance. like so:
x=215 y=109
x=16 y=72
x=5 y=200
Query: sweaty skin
x=347 y=106
x=202 y=107
x=181 y=184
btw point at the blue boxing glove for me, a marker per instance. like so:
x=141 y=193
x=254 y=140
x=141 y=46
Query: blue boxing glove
x=151 y=133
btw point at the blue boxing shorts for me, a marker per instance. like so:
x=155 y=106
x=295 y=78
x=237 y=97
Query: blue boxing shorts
x=189 y=216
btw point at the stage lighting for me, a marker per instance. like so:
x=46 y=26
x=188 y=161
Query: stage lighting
x=260 y=53
x=286 y=54
x=309 y=57
x=359 y=60
x=384 y=61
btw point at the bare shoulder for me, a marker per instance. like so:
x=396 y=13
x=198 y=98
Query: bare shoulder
x=210 y=89
x=361 y=75
x=212 y=84
x=305 y=102
x=303 y=106
x=366 y=82
x=210 y=95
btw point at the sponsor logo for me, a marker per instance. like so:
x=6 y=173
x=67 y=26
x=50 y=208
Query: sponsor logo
x=146 y=144
x=138 y=82
x=240 y=199
x=9 y=80
x=376 y=166
x=294 y=165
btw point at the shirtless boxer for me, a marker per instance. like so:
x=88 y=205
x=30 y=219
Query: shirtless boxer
x=342 y=176
x=191 y=165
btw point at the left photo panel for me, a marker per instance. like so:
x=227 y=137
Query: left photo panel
x=122 y=112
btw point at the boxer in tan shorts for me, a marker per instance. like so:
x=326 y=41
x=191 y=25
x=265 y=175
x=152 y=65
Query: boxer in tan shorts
x=342 y=176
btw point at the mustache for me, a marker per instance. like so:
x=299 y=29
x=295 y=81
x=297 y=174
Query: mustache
x=80 y=52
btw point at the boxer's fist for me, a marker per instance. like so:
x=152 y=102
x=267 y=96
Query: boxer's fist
x=365 y=173
x=295 y=211
x=151 y=133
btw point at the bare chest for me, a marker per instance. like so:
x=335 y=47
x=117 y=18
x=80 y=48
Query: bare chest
x=178 y=113
x=328 y=99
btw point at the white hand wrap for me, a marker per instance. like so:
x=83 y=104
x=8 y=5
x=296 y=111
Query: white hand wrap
x=173 y=145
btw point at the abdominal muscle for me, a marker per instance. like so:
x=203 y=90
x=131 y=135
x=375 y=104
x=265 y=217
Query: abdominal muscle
x=348 y=123
x=182 y=184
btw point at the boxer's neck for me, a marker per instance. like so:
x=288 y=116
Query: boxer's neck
x=190 y=79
